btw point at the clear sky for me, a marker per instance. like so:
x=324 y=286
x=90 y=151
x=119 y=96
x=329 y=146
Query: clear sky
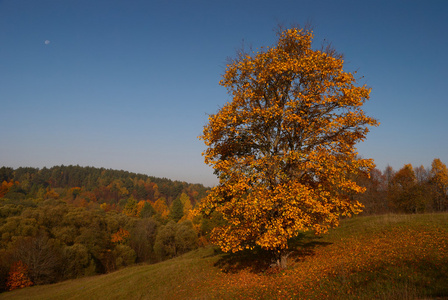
x=128 y=84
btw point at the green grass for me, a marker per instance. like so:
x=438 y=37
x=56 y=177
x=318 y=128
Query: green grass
x=379 y=257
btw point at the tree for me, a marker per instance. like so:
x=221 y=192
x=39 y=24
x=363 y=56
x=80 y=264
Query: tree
x=4 y=187
x=177 y=210
x=284 y=147
x=18 y=276
x=120 y=237
x=188 y=207
x=143 y=237
x=77 y=261
x=131 y=209
x=124 y=256
x=42 y=256
x=374 y=199
x=147 y=210
x=389 y=174
x=421 y=174
x=186 y=238
x=161 y=208
x=6 y=173
x=439 y=181
x=165 y=244
x=406 y=194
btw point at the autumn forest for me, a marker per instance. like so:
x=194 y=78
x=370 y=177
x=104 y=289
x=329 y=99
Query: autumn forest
x=70 y=221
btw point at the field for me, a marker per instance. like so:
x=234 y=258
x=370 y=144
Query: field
x=379 y=257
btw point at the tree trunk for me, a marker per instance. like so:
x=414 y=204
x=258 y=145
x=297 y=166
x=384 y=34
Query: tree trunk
x=282 y=259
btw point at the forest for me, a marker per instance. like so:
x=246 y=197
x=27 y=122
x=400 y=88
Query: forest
x=68 y=222
x=408 y=190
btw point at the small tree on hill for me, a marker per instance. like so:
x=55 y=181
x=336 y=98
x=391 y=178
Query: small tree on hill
x=18 y=276
x=284 y=147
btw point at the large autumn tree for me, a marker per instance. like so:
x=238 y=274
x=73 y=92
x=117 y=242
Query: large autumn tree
x=284 y=147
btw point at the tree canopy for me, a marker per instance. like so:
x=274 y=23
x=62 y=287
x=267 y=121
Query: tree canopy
x=284 y=147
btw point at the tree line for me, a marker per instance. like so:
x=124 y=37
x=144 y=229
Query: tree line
x=408 y=190
x=69 y=221
x=91 y=186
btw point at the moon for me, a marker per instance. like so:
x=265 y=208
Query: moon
x=47 y=42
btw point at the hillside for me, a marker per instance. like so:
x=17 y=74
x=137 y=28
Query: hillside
x=379 y=257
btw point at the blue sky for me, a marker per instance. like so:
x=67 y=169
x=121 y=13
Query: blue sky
x=128 y=84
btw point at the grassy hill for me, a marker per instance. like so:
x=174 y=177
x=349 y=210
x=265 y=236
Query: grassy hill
x=379 y=257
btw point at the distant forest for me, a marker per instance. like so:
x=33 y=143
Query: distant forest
x=408 y=190
x=69 y=221
x=91 y=186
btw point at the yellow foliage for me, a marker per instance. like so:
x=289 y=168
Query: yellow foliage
x=51 y=194
x=187 y=207
x=439 y=180
x=284 y=147
x=161 y=208
x=439 y=175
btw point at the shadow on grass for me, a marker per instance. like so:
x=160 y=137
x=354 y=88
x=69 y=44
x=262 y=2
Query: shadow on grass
x=261 y=261
x=409 y=279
